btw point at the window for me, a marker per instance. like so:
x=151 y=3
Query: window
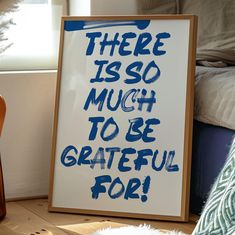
x=35 y=36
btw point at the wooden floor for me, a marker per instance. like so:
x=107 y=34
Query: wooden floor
x=30 y=217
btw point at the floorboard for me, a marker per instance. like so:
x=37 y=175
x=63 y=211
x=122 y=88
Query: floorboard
x=23 y=221
x=30 y=217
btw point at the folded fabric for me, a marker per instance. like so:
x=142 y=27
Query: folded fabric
x=216 y=30
x=157 y=6
x=225 y=56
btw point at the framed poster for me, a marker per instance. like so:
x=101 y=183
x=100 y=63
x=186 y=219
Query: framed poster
x=123 y=117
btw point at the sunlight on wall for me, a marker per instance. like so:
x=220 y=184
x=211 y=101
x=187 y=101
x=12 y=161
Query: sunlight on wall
x=34 y=35
x=80 y=7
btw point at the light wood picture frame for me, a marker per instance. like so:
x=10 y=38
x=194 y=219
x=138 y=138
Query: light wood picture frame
x=123 y=117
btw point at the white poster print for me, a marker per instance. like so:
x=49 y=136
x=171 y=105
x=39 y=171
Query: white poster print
x=121 y=119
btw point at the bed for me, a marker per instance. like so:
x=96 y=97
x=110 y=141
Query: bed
x=214 y=112
x=214 y=128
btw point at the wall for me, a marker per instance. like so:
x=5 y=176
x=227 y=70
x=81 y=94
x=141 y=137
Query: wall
x=26 y=137
x=79 y=7
x=103 y=7
x=120 y=7
x=27 y=134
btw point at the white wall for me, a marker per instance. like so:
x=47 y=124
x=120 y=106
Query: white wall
x=103 y=7
x=27 y=133
x=114 y=7
x=26 y=137
x=79 y=7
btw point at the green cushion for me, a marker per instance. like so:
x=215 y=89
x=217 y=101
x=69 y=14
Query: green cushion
x=218 y=216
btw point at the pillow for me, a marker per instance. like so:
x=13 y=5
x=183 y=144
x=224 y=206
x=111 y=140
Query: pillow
x=157 y=6
x=216 y=28
x=218 y=216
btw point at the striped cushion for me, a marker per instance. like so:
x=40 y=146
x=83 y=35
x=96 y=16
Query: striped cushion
x=218 y=216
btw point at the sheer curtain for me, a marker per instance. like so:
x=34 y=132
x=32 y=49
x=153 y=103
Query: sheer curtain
x=35 y=36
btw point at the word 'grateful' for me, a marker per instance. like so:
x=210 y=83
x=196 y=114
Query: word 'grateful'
x=127 y=159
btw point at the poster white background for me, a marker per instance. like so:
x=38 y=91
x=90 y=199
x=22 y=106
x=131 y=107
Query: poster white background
x=72 y=185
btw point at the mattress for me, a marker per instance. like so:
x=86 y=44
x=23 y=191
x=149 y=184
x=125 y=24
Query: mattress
x=215 y=96
x=211 y=146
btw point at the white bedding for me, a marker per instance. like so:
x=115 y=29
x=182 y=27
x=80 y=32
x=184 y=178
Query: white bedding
x=215 y=96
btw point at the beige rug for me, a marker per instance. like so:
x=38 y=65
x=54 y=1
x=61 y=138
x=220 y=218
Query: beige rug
x=112 y=228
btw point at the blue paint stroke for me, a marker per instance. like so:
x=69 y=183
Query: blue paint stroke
x=146 y=186
x=84 y=25
x=131 y=188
